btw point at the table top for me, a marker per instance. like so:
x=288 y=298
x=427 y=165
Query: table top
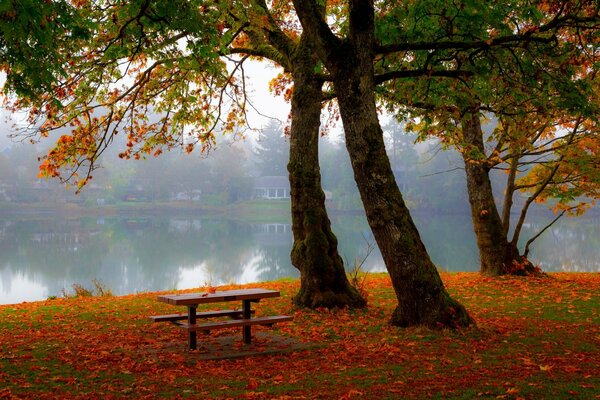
x=217 y=297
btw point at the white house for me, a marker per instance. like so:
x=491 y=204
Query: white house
x=272 y=187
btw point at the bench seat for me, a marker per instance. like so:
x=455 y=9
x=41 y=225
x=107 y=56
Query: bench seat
x=270 y=320
x=204 y=314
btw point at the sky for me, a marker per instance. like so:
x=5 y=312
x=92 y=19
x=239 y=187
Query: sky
x=259 y=74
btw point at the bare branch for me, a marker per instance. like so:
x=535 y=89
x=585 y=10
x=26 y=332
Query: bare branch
x=530 y=241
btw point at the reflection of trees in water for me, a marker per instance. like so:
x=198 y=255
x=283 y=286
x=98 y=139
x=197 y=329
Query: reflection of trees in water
x=450 y=241
x=353 y=236
x=273 y=246
x=167 y=246
x=274 y=263
x=51 y=251
x=274 y=241
x=126 y=254
x=573 y=244
x=228 y=248
x=136 y=258
x=151 y=253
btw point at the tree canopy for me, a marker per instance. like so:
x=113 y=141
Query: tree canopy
x=33 y=38
x=540 y=84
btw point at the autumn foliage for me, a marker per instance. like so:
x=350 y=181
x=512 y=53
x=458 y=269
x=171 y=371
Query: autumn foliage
x=535 y=338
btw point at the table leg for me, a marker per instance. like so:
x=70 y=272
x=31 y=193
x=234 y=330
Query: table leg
x=246 y=314
x=192 y=321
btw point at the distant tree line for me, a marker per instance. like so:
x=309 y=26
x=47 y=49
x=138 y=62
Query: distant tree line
x=431 y=178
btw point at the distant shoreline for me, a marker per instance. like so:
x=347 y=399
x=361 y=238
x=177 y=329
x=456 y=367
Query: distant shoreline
x=250 y=209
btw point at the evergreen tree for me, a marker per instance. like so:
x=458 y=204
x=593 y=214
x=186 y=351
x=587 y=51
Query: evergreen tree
x=272 y=151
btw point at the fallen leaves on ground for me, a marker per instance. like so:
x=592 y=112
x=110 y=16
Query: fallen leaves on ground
x=535 y=338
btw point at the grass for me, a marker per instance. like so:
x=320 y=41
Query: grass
x=260 y=211
x=536 y=338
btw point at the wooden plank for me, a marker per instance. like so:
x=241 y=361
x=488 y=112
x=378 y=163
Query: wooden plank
x=217 y=297
x=270 y=320
x=204 y=314
x=168 y=317
x=247 y=329
x=191 y=320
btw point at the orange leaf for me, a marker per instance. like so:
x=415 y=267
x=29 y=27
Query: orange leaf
x=252 y=384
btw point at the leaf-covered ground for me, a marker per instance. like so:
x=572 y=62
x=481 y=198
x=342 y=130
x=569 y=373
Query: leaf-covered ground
x=536 y=338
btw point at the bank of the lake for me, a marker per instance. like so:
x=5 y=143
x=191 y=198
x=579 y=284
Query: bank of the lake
x=251 y=210
x=248 y=210
x=536 y=338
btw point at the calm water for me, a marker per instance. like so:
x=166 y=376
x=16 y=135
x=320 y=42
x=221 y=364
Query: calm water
x=39 y=257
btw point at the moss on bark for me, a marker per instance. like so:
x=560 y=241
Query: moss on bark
x=323 y=280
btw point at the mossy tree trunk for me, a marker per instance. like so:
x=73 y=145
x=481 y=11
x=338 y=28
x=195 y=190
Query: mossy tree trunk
x=422 y=298
x=323 y=279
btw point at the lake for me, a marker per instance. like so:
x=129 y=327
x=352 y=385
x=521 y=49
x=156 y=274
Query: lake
x=41 y=256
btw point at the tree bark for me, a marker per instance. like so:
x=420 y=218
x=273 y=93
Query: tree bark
x=422 y=298
x=496 y=253
x=510 y=190
x=323 y=280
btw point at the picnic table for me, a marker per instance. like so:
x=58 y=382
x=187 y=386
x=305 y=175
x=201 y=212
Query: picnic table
x=239 y=318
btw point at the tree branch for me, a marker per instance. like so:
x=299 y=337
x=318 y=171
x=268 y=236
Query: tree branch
x=537 y=235
x=388 y=76
x=312 y=20
x=275 y=35
x=541 y=187
x=504 y=41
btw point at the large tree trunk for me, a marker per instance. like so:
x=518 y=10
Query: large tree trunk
x=497 y=255
x=322 y=275
x=422 y=298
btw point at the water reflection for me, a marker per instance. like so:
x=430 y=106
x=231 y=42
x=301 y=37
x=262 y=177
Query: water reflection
x=572 y=246
x=39 y=257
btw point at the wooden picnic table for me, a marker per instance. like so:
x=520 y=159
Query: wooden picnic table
x=241 y=317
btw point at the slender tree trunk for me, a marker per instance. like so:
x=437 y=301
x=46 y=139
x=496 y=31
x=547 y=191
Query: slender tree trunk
x=496 y=253
x=510 y=190
x=323 y=279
